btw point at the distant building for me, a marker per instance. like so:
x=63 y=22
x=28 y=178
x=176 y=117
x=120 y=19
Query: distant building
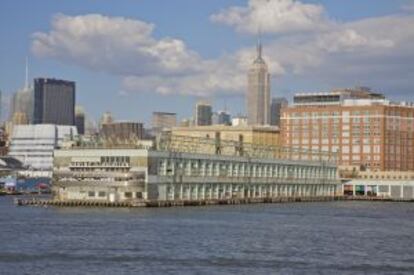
x=275 y=107
x=185 y=122
x=22 y=104
x=3 y=142
x=91 y=127
x=161 y=120
x=33 y=145
x=122 y=131
x=80 y=120
x=54 y=101
x=223 y=118
x=106 y=118
x=21 y=111
x=256 y=135
x=19 y=118
x=258 y=92
x=368 y=132
x=203 y=114
x=239 y=121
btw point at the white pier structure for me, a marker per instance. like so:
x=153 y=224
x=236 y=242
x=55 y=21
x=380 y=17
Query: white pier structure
x=136 y=174
x=185 y=176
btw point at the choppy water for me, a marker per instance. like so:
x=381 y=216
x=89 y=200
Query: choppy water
x=299 y=238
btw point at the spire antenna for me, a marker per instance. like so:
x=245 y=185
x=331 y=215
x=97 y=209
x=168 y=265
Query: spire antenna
x=259 y=44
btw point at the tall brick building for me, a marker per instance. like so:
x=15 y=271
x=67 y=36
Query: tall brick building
x=367 y=131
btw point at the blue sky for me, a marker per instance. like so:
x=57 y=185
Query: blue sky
x=302 y=56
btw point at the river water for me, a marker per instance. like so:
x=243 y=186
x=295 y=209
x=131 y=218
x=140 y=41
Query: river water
x=295 y=238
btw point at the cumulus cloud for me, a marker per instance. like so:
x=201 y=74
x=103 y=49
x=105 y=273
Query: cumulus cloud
x=273 y=16
x=126 y=47
x=376 y=51
x=114 y=44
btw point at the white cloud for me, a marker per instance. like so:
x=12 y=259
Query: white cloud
x=126 y=47
x=114 y=44
x=375 y=51
x=273 y=16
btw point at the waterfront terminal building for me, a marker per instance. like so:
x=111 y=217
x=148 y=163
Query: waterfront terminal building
x=170 y=173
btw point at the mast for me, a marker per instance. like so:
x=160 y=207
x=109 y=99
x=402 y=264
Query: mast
x=259 y=47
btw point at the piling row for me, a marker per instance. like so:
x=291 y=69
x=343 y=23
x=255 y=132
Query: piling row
x=368 y=198
x=171 y=203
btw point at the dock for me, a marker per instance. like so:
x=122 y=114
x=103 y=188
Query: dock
x=171 y=203
x=180 y=203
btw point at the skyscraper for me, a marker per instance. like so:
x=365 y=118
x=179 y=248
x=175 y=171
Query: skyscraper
x=258 y=91
x=54 y=101
x=80 y=120
x=22 y=103
x=222 y=118
x=203 y=114
x=275 y=107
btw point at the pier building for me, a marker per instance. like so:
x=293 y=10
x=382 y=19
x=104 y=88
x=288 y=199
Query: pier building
x=169 y=173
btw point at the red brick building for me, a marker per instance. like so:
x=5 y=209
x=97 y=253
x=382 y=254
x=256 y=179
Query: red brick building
x=366 y=130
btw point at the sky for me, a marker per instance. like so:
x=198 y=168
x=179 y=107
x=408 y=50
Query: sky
x=133 y=57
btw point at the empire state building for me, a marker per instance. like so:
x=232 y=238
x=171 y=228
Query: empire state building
x=258 y=91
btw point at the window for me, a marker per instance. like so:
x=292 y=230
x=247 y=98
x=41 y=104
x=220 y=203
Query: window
x=101 y=194
x=91 y=194
x=128 y=195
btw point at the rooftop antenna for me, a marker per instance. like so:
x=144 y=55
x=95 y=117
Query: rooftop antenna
x=26 y=83
x=259 y=43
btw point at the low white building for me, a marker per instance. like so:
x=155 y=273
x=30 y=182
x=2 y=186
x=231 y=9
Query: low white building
x=396 y=189
x=33 y=145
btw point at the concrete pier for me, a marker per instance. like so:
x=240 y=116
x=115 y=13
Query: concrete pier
x=174 y=203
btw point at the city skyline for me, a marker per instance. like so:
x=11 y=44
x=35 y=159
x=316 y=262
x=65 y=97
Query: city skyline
x=331 y=37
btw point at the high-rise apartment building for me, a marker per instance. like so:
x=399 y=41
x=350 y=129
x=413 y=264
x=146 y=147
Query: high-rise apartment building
x=122 y=131
x=258 y=91
x=162 y=120
x=54 y=101
x=367 y=131
x=203 y=114
x=277 y=104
